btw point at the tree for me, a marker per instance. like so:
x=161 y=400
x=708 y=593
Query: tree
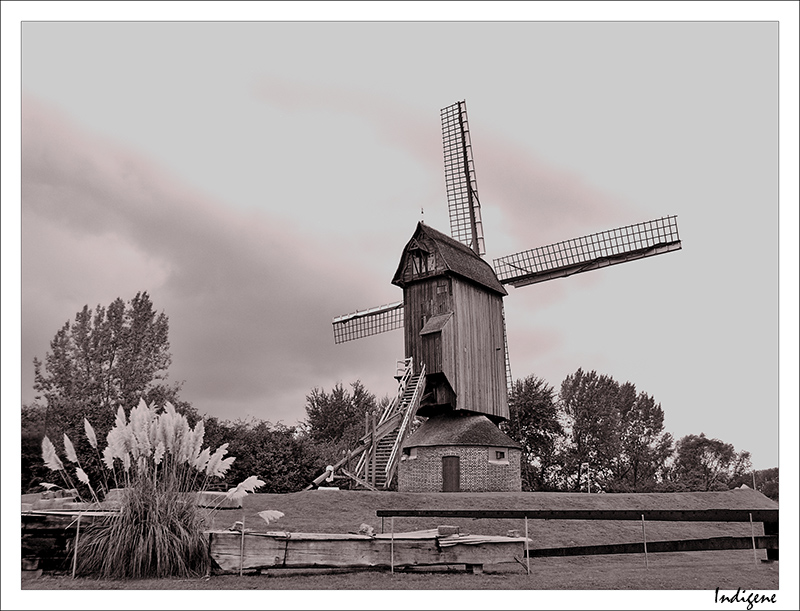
x=533 y=422
x=106 y=358
x=281 y=456
x=338 y=418
x=702 y=463
x=589 y=405
x=32 y=427
x=644 y=446
x=767 y=482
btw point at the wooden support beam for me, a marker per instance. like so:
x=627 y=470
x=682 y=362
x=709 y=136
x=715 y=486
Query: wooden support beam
x=358 y=480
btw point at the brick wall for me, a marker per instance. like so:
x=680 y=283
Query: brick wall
x=424 y=473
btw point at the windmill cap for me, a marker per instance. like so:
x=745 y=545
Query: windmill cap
x=456 y=258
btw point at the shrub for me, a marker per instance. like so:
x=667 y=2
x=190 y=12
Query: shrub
x=159 y=461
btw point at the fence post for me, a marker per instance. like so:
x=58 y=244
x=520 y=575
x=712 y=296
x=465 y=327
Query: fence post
x=392 y=545
x=75 y=554
x=241 y=549
x=644 y=540
x=527 y=551
x=771 y=528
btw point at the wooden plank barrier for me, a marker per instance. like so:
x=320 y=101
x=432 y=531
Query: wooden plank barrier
x=279 y=550
x=683 y=545
x=769 y=517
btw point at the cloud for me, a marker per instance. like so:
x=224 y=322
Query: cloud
x=249 y=296
x=249 y=301
x=537 y=202
x=540 y=202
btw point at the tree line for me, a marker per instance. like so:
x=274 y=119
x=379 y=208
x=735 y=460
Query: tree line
x=597 y=434
x=593 y=434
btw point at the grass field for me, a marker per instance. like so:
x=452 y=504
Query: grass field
x=346 y=511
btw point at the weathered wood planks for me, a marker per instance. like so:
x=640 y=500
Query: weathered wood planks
x=295 y=550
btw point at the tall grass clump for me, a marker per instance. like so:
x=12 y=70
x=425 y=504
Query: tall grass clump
x=159 y=463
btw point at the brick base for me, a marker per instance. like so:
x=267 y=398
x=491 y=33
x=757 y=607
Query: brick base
x=478 y=474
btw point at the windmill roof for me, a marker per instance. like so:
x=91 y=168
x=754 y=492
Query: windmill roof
x=459 y=429
x=456 y=257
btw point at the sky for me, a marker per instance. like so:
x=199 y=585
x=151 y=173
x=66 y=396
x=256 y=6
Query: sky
x=259 y=178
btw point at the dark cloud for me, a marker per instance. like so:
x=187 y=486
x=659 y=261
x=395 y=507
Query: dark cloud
x=249 y=301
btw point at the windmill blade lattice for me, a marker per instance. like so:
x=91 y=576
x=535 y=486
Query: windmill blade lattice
x=589 y=252
x=368 y=322
x=509 y=380
x=459 y=176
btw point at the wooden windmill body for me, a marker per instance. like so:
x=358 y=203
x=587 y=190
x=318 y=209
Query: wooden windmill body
x=456 y=350
x=453 y=323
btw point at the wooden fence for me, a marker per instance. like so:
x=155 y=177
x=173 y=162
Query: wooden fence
x=768 y=541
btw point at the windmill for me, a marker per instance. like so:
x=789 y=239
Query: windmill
x=456 y=350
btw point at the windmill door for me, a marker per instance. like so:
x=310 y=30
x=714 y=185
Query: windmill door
x=451 y=474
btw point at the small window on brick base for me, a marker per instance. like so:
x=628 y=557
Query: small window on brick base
x=409 y=454
x=498 y=456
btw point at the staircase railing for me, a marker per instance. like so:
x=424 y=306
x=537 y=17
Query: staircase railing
x=411 y=411
x=392 y=416
x=403 y=372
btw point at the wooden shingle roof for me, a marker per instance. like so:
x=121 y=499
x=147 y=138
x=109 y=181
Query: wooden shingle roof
x=453 y=257
x=459 y=429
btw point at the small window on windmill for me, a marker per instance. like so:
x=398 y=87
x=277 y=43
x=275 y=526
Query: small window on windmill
x=422 y=261
x=498 y=456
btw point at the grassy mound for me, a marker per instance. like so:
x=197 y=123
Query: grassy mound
x=341 y=511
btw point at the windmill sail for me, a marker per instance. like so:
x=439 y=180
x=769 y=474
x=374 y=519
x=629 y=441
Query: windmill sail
x=589 y=252
x=368 y=322
x=509 y=380
x=459 y=175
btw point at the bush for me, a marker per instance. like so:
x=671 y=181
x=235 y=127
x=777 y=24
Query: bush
x=158 y=531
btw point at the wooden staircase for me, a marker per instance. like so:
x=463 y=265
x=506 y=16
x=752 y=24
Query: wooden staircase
x=376 y=472
x=378 y=451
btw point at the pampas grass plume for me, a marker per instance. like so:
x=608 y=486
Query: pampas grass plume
x=49 y=455
x=108 y=458
x=158 y=455
x=248 y=485
x=202 y=460
x=215 y=460
x=270 y=515
x=70 y=450
x=82 y=476
x=90 y=434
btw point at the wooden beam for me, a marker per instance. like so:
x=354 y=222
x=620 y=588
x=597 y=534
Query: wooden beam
x=358 y=480
x=294 y=550
x=683 y=545
x=662 y=515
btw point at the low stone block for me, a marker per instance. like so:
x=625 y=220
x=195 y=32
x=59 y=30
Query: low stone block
x=217 y=500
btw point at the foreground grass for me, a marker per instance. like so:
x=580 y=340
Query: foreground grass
x=344 y=511
x=670 y=571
